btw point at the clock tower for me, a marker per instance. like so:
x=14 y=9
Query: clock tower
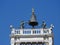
x=32 y=36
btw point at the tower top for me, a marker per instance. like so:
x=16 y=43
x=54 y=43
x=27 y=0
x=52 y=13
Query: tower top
x=34 y=36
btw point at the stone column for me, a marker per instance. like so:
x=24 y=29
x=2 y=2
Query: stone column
x=12 y=41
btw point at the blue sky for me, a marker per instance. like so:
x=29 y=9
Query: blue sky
x=13 y=11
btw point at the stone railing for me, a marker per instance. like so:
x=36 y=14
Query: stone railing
x=30 y=31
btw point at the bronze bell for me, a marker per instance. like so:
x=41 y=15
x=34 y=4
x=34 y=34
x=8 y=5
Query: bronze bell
x=33 y=22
